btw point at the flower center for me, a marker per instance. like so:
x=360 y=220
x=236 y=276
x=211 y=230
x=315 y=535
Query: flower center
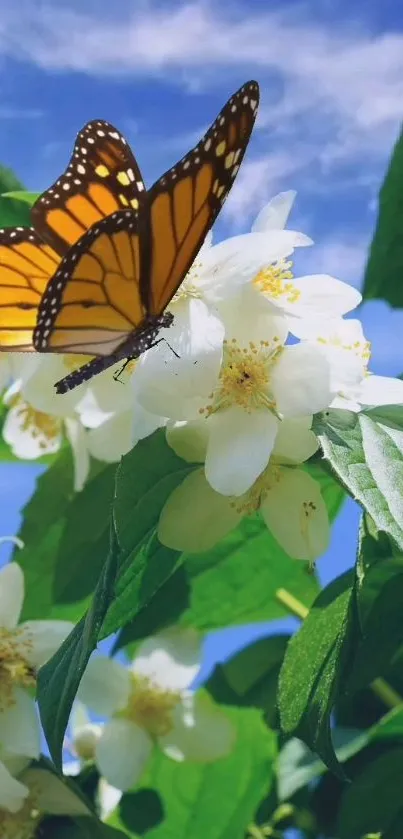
x=44 y=428
x=244 y=378
x=20 y=825
x=274 y=280
x=14 y=668
x=150 y=707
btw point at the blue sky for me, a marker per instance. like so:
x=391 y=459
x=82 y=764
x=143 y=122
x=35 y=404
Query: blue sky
x=331 y=77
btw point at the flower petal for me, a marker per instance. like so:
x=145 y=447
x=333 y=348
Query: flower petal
x=105 y=686
x=12 y=792
x=296 y=514
x=42 y=639
x=239 y=448
x=274 y=215
x=300 y=381
x=295 y=442
x=249 y=316
x=77 y=438
x=178 y=387
x=52 y=795
x=171 y=659
x=113 y=438
x=19 y=726
x=201 y=731
x=38 y=389
x=188 y=439
x=321 y=296
x=122 y=752
x=381 y=390
x=11 y=595
x=108 y=798
x=195 y=517
x=236 y=261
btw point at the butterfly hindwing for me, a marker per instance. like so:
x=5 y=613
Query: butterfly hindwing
x=102 y=177
x=93 y=302
x=184 y=203
x=26 y=266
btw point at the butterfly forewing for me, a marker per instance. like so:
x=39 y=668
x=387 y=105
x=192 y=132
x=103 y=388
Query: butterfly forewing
x=26 y=266
x=93 y=301
x=185 y=201
x=101 y=178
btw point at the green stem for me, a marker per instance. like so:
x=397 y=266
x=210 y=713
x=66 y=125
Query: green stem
x=382 y=689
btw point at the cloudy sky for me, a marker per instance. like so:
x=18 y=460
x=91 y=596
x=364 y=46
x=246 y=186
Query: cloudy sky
x=331 y=77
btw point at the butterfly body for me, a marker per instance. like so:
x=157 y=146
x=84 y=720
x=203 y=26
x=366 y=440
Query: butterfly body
x=119 y=252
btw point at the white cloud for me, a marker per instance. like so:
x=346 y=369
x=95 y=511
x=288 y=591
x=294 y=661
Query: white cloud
x=332 y=93
x=344 y=258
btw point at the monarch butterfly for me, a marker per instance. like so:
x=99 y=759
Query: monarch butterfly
x=108 y=294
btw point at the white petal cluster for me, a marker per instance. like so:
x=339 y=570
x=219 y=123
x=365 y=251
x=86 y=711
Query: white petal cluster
x=24 y=647
x=150 y=704
x=252 y=352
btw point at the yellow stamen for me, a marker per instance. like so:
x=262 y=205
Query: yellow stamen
x=14 y=668
x=20 y=825
x=151 y=707
x=274 y=280
x=42 y=427
x=244 y=378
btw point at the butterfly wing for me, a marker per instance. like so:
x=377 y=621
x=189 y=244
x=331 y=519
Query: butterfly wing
x=101 y=178
x=184 y=203
x=26 y=266
x=93 y=301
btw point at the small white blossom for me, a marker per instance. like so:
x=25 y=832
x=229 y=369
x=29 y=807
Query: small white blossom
x=343 y=344
x=150 y=703
x=243 y=389
x=195 y=517
x=23 y=648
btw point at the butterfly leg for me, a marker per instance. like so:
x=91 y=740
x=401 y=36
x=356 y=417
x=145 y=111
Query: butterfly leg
x=116 y=376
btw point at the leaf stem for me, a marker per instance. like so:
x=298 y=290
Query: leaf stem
x=382 y=689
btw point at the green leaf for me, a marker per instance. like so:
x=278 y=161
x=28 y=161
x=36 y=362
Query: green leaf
x=12 y=212
x=236 y=581
x=216 y=800
x=374 y=801
x=313 y=670
x=384 y=271
x=163 y=610
x=297 y=766
x=62 y=532
x=144 y=480
x=84 y=543
x=141 y=811
x=390 y=415
x=80 y=828
x=250 y=677
x=59 y=679
x=22 y=195
x=379 y=600
x=369 y=462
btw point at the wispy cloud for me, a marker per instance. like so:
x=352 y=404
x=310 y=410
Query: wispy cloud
x=332 y=93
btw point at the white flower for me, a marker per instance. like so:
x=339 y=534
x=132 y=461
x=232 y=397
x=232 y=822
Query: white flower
x=195 y=517
x=219 y=270
x=113 y=433
x=82 y=741
x=348 y=353
x=35 y=793
x=23 y=648
x=38 y=418
x=243 y=390
x=150 y=703
x=260 y=258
